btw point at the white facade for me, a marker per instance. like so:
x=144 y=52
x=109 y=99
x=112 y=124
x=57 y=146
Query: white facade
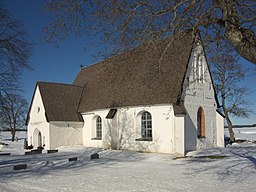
x=199 y=93
x=65 y=134
x=38 y=127
x=220 y=130
x=124 y=130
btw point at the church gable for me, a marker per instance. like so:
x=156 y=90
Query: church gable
x=37 y=110
x=200 y=101
x=198 y=81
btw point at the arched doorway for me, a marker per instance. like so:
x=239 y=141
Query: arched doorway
x=200 y=123
x=37 y=138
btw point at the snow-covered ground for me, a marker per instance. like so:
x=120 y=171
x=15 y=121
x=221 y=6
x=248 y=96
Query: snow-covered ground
x=217 y=169
x=244 y=133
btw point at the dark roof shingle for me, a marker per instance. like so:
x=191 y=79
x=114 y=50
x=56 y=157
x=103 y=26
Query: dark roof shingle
x=61 y=101
x=144 y=76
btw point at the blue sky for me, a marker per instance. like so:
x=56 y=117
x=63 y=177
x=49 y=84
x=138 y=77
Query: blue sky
x=61 y=64
x=49 y=63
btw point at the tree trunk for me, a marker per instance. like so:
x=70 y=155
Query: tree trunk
x=223 y=100
x=13 y=132
x=230 y=129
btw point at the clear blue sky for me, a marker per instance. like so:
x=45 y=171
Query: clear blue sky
x=61 y=64
x=49 y=63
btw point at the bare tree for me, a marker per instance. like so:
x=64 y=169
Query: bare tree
x=227 y=73
x=129 y=23
x=14 y=49
x=13 y=111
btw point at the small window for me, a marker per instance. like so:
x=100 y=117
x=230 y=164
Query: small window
x=146 y=125
x=111 y=114
x=98 y=127
x=38 y=109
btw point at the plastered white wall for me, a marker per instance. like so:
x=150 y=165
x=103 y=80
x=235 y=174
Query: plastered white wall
x=37 y=120
x=122 y=131
x=199 y=92
x=89 y=131
x=179 y=133
x=65 y=134
x=220 y=130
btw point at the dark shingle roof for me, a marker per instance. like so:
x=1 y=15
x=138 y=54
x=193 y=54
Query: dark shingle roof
x=144 y=76
x=61 y=101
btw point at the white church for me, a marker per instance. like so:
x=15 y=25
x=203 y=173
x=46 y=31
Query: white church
x=155 y=98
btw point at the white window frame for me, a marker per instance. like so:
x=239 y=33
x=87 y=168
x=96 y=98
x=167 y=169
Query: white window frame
x=98 y=126
x=146 y=125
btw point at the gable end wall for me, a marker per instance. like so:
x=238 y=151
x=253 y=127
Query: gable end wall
x=37 y=121
x=199 y=94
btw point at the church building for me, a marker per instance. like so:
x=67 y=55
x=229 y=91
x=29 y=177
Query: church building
x=154 y=98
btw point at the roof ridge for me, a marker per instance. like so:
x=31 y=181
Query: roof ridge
x=55 y=83
x=114 y=57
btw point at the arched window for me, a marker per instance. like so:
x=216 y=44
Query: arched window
x=200 y=123
x=146 y=125
x=98 y=127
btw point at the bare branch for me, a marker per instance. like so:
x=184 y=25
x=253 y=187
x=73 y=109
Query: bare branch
x=15 y=51
x=130 y=23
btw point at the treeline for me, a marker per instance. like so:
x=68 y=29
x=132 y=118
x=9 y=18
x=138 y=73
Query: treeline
x=8 y=130
x=240 y=126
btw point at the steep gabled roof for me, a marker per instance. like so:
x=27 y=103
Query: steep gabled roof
x=61 y=101
x=149 y=74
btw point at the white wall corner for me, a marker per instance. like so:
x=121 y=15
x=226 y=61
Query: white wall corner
x=220 y=130
x=179 y=136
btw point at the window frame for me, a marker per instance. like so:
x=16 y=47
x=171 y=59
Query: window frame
x=98 y=127
x=146 y=130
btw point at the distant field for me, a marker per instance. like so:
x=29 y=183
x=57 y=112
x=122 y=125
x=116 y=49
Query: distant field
x=7 y=134
x=246 y=133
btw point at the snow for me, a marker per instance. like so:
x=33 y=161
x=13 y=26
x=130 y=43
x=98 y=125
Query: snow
x=244 y=133
x=216 y=169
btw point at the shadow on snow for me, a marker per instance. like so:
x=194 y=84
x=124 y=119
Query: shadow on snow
x=225 y=163
x=57 y=162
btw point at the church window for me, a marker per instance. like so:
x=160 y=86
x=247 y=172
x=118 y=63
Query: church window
x=146 y=125
x=98 y=127
x=201 y=71
x=198 y=69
